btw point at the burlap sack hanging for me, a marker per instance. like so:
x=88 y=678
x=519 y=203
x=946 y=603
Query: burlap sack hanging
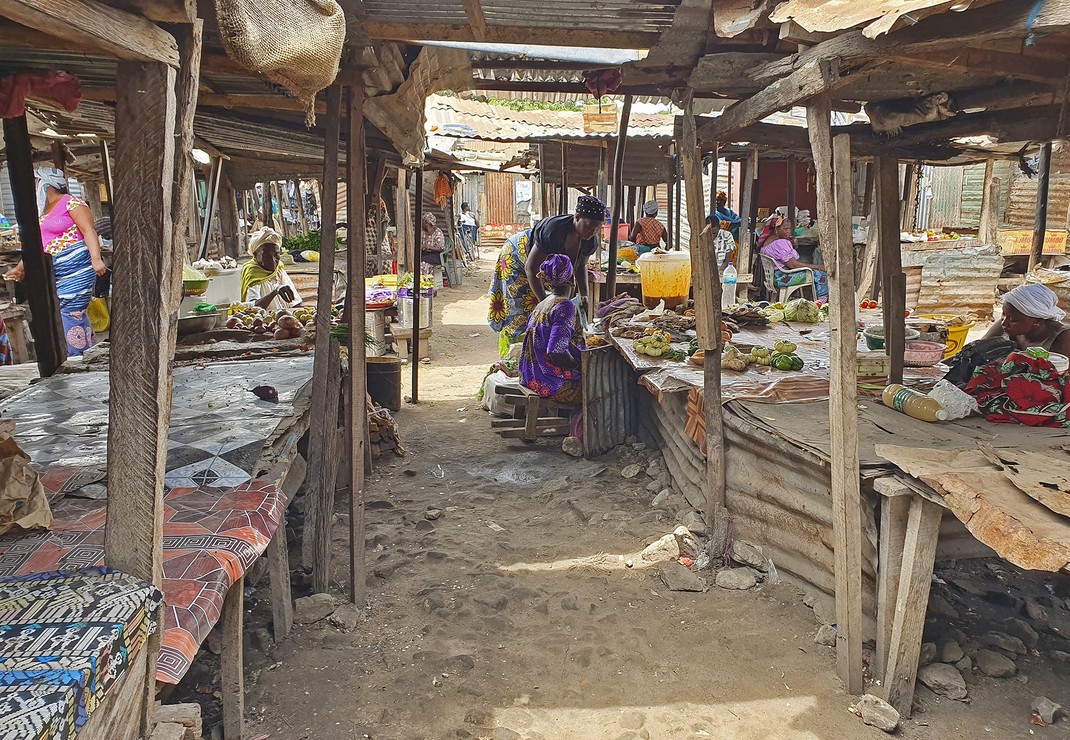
x=296 y=43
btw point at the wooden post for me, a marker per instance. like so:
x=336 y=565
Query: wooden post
x=357 y=419
x=417 y=266
x=618 y=195
x=301 y=214
x=403 y=229
x=211 y=200
x=791 y=189
x=834 y=204
x=629 y=207
x=228 y=216
x=707 y=284
x=563 y=208
x=154 y=137
x=909 y=207
x=748 y=180
x=714 y=156
x=670 y=208
x=323 y=434
x=232 y=663
x=678 y=183
x=105 y=164
x=265 y=205
x=893 y=281
x=277 y=196
x=868 y=284
x=46 y=325
x=989 y=230
x=1040 y=222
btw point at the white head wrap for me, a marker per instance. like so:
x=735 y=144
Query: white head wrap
x=1036 y=300
x=650 y=208
x=48 y=175
x=266 y=235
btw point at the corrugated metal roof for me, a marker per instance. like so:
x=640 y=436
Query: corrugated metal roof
x=472 y=119
x=956 y=280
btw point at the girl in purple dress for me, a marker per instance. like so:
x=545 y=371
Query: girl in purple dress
x=550 y=362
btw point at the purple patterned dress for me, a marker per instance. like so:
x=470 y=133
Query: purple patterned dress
x=554 y=328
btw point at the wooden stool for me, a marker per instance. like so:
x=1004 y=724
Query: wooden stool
x=403 y=337
x=531 y=426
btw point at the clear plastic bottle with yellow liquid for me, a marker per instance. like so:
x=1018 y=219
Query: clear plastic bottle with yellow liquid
x=913 y=403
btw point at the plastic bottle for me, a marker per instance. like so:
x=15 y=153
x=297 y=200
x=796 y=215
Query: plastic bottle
x=912 y=403
x=728 y=287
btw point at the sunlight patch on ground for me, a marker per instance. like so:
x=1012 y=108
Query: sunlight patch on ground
x=461 y=312
x=601 y=562
x=734 y=720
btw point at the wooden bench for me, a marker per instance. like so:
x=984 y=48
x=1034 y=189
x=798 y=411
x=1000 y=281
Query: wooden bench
x=403 y=337
x=532 y=426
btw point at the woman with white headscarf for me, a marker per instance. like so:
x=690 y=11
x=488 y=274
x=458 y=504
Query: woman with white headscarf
x=69 y=236
x=1032 y=318
x=264 y=282
x=648 y=232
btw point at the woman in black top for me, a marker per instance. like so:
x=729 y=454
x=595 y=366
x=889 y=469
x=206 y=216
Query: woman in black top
x=570 y=235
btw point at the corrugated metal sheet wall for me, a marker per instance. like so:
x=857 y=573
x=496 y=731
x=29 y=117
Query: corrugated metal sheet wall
x=955 y=280
x=1023 y=191
x=957 y=192
x=501 y=198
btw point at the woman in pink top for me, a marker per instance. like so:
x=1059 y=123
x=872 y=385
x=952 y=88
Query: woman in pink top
x=776 y=244
x=69 y=236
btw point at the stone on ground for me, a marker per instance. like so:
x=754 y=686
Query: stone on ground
x=950 y=652
x=687 y=542
x=878 y=713
x=747 y=553
x=1046 y=709
x=826 y=635
x=993 y=664
x=1003 y=641
x=662 y=498
x=572 y=446
x=346 y=617
x=692 y=521
x=938 y=607
x=1023 y=631
x=738 y=579
x=928 y=653
x=944 y=680
x=314 y=608
x=965 y=665
x=630 y=471
x=678 y=578
x=664 y=548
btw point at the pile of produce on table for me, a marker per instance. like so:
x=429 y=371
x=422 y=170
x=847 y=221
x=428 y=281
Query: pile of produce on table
x=280 y=324
x=781 y=357
x=658 y=344
x=802 y=310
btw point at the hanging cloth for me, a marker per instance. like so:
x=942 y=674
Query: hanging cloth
x=443 y=190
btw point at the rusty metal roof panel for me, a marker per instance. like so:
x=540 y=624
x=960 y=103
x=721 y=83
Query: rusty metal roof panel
x=956 y=280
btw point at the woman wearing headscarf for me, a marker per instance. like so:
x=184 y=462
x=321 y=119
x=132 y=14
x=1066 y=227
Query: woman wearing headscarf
x=264 y=282
x=1032 y=318
x=648 y=232
x=775 y=243
x=550 y=362
x=69 y=237
x=432 y=241
x=516 y=287
x=723 y=213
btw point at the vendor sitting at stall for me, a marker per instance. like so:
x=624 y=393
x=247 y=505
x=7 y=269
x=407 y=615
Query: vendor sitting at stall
x=1032 y=318
x=264 y=282
x=775 y=243
x=723 y=213
x=550 y=362
x=648 y=232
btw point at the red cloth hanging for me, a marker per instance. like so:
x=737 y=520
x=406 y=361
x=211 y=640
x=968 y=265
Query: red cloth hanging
x=602 y=82
x=61 y=87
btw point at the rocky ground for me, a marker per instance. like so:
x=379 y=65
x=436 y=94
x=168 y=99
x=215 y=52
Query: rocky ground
x=516 y=592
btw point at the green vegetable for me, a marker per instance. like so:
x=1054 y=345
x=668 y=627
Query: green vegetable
x=203 y=307
x=675 y=354
x=692 y=346
x=1038 y=353
x=785 y=347
x=802 y=310
x=782 y=361
x=306 y=242
x=340 y=333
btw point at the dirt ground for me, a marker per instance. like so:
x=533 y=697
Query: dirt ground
x=476 y=627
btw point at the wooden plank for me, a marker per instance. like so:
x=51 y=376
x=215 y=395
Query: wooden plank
x=791 y=189
x=232 y=664
x=476 y=19
x=834 y=199
x=989 y=229
x=212 y=201
x=229 y=224
x=894 y=514
x=417 y=264
x=531 y=418
x=46 y=325
x=1040 y=222
x=317 y=537
x=891 y=262
x=95 y=26
x=162 y=11
x=911 y=603
x=618 y=194
x=119 y=716
x=616 y=38
x=749 y=177
x=282 y=610
x=820 y=75
x=707 y=290
x=986 y=62
x=357 y=419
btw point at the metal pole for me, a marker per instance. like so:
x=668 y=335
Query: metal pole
x=1040 y=224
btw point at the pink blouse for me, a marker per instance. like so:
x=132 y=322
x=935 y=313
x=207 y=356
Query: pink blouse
x=58 y=230
x=781 y=251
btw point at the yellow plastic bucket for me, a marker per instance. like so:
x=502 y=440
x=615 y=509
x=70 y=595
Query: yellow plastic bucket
x=956 y=335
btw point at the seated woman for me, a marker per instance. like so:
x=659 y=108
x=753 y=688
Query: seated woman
x=1032 y=318
x=550 y=362
x=264 y=282
x=775 y=243
x=648 y=232
x=432 y=241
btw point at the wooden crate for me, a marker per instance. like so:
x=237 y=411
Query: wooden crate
x=600 y=119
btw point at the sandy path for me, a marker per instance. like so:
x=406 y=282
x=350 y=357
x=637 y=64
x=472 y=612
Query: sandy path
x=469 y=634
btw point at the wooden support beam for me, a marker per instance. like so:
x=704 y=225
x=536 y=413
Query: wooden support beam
x=417 y=265
x=476 y=19
x=791 y=188
x=211 y=201
x=894 y=513
x=325 y=368
x=282 y=608
x=160 y=11
x=109 y=187
x=1040 y=222
x=618 y=195
x=908 y=208
x=229 y=224
x=728 y=73
x=891 y=263
x=747 y=205
x=833 y=200
x=821 y=75
x=922 y=533
x=357 y=418
x=232 y=662
x=616 y=38
x=95 y=26
x=563 y=207
x=707 y=289
x=266 y=209
x=989 y=227
x=986 y=62
x=46 y=324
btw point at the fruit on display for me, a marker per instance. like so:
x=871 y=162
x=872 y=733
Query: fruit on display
x=733 y=359
x=280 y=324
x=658 y=344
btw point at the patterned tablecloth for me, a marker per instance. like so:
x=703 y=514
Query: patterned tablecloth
x=65 y=639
